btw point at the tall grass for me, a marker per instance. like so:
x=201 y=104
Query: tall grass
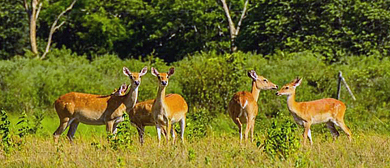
x=366 y=150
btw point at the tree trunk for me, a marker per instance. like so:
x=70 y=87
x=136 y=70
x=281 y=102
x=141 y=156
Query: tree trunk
x=33 y=26
x=233 y=29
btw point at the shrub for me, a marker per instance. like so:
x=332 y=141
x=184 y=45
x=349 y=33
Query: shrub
x=6 y=140
x=281 y=140
x=122 y=139
x=198 y=122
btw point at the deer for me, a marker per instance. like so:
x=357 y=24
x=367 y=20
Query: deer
x=141 y=115
x=168 y=110
x=243 y=107
x=328 y=110
x=73 y=108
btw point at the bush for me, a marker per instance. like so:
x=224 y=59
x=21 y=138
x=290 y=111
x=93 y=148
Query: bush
x=198 y=121
x=209 y=81
x=281 y=140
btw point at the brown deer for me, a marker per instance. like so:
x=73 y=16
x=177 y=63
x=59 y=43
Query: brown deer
x=141 y=115
x=169 y=109
x=328 y=110
x=73 y=108
x=243 y=107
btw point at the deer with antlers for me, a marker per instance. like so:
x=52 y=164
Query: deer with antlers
x=243 y=106
x=330 y=111
x=73 y=108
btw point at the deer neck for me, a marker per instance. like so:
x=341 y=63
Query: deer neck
x=291 y=103
x=131 y=97
x=255 y=91
x=160 y=99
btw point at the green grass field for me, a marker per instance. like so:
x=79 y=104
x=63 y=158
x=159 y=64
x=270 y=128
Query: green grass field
x=218 y=149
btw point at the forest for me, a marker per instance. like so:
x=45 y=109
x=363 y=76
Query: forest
x=52 y=47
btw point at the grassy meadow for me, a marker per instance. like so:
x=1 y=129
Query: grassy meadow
x=207 y=82
x=214 y=150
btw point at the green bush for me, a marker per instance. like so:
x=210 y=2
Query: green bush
x=207 y=81
x=282 y=140
x=122 y=139
x=198 y=122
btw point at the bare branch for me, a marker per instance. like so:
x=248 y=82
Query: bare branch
x=57 y=27
x=242 y=16
x=26 y=8
x=341 y=78
x=54 y=27
x=39 y=10
x=227 y=13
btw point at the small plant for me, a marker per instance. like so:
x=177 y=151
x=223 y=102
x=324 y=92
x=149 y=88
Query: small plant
x=191 y=155
x=6 y=141
x=197 y=123
x=122 y=139
x=24 y=126
x=38 y=116
x=281 y=139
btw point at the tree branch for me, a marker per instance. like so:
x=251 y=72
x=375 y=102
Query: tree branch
x=54 y=27
x=227 y=13
x=39 y=10
x=27 y=9
x=242 y=16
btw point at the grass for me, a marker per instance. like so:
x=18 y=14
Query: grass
x=219 y=149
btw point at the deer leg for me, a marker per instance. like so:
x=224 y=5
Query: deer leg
x=239 y=125
x=248 y=126
x=345 y=129
x=116 y=122
x=307 y=133
x=72 y=130
x=158 y=128
x=60 y=129
x=168 y=129
x=252 y=128
x=182 y=128
x=141 y=131
x=173 y=134
x=332 y=130
x=110 y=126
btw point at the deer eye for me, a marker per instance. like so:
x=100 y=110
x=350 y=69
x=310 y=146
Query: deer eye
x=286 y=88
x=265 y=80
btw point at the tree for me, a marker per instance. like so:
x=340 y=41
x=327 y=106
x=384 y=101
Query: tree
x=33 y=9
x=233 y=29
x=55 y=27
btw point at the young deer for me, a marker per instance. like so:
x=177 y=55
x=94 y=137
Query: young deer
x=169 y=109
x=327 y=110
x=73 y=108
x=243 y=106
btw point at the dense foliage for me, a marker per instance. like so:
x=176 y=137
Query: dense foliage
x=173 y=29
x=207 y=81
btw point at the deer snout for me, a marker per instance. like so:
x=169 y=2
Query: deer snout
x=276 y=87
x=136 y=83
x=277 y=94
x=164 y=83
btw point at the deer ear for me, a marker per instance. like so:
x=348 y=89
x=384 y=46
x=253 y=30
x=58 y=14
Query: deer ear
x=171 y=71
x=123 y=89
x=155 y=72
x=126 y=71
x=143 y=71
x=297 y=82
x=252 y=74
